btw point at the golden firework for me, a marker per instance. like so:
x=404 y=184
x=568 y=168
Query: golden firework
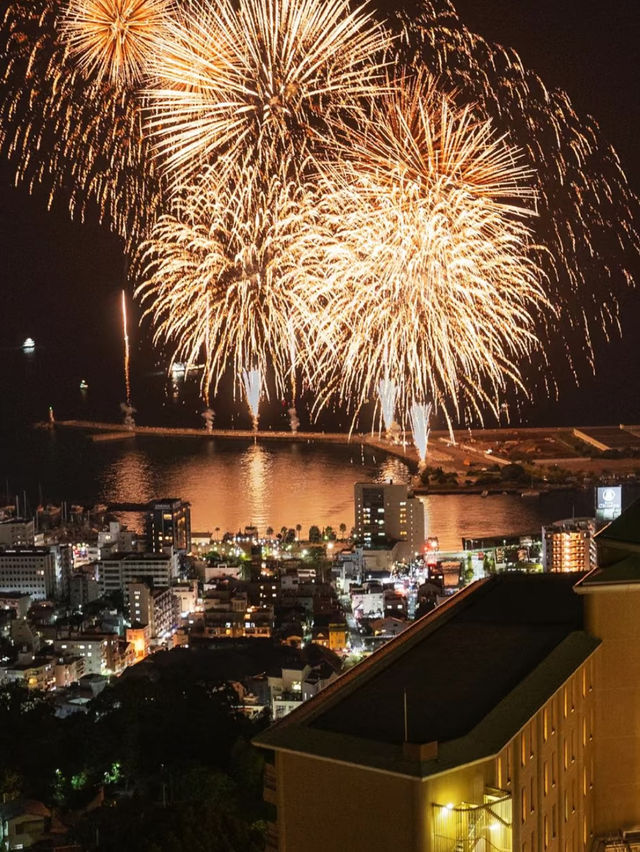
x=82 y=140
x=588 y=214
x=215 y=275
x=259 y=80
x=113 y=39
x=420 y=266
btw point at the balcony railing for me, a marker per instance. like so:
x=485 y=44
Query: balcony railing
x=460 y=828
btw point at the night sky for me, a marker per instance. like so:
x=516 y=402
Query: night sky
x=61 y=280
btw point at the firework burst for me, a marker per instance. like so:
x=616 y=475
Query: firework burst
x=588 y=215
x=113 y=39
x=259 y=79
x=79 y=138
x=215 y=276
x=422 y=259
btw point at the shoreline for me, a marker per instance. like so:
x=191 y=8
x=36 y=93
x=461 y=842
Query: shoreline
x=100 y=431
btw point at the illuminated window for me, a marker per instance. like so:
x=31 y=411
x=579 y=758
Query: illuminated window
x=545 y=724
x=523 y=749
x=545 y=831
x=523 y=805
x=545 y=778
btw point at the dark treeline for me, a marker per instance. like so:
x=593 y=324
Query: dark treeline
x=154 y=765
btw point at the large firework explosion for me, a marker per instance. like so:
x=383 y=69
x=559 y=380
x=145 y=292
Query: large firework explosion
x=114 y=39
x=587 y=213
x=420 y=267
x=79 y=137
x=260 y=80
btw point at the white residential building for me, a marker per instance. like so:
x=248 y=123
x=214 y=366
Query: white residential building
x=16 y=532
x=120 y=569
x=98 y=650
x=29 y=570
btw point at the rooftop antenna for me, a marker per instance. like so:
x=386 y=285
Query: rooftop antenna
x=406 y=716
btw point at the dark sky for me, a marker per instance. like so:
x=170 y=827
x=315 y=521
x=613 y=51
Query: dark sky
x=60 y=280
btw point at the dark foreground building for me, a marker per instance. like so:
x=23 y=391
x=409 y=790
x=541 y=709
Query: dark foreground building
x=507 y=719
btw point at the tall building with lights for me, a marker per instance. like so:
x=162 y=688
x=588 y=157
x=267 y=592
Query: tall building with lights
x=569 y=545
x=387 y=513
x=169 y=525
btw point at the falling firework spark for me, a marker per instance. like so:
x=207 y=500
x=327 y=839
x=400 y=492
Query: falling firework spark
x=113 y=39
x=127 y=378
x=388 y=394
x=422 y=260
x=419 y=416
x=260 y=77
x=78 y=137
x=252 y=381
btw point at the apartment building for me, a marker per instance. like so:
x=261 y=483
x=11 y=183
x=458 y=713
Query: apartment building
x=28 y=570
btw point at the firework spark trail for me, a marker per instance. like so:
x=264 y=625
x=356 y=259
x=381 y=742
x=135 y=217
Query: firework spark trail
x=588 y=215
x=293 y=359
x=127 y=376
x=260 y=79
x=113 y=39
x=388 y=394
x=420 y=261
x=80 y=138
x=216 y=276
x=419 y=416
x=252 y=381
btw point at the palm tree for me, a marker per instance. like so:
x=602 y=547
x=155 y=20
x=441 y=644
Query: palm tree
x=343 y=530
x=269 y=532
x=298 y=530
